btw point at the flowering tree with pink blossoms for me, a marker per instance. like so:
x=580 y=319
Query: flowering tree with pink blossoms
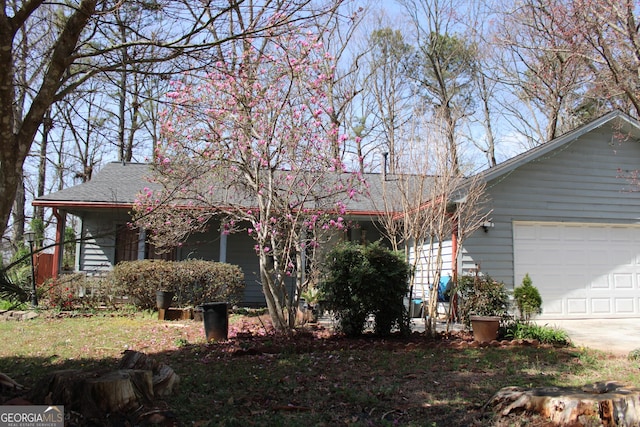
x=252 y=144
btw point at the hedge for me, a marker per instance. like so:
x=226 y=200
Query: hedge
x=193 y=281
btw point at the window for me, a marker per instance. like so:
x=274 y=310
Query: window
x=127 y=246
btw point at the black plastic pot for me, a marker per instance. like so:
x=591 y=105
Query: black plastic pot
x=216 y=320
x=416 y=308
x=163 y=299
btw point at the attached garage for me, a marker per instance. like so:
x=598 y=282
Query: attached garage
x=581 y=270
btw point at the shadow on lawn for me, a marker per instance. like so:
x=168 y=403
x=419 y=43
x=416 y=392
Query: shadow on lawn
x=310 y=380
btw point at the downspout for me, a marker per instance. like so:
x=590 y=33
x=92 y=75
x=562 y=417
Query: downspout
x=59 y=242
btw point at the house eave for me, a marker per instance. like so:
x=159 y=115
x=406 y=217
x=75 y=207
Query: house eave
x=80 y=205
x=66 y=205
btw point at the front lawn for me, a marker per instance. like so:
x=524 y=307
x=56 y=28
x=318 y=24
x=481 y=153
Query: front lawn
x=312 y=378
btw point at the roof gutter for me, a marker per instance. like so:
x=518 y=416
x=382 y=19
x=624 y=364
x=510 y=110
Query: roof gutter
x=67 y=204
x=57 y=204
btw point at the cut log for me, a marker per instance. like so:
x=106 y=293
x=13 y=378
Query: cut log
x=61 y=388
x=165 y=380
x=611 y=403
x=94 y=395
x=120 y=391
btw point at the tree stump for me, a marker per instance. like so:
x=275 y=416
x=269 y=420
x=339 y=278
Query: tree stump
x=121 y=391
x=609 y=403
x=93 y=394
x=164 y=379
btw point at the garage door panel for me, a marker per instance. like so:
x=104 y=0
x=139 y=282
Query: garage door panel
x=623 y=281
x=551 y=256
x=599 y=282
x=548 y=233
x=601 y=305
x=572 y=233
x=625 y=305
x=553 y=307
x=623 y=255
x=581 y=270
x=574 y=258
x=598 y=256
x=597 y=234
x=576 y=306
x=523 y=234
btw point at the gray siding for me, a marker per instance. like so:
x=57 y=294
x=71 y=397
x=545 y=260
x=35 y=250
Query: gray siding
x=97 y=252
x=239 y=252
x=98 y=230
x=578 y=182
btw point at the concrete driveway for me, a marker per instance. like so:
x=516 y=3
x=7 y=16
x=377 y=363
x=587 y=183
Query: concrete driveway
x=618 y=336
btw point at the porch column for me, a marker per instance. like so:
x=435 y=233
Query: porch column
x=142 y=237
x=61 y=218
x=223 y=245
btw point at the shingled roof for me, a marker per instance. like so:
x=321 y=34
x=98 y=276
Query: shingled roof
x=118 y=184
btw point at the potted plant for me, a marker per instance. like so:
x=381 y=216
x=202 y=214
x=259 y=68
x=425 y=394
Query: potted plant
x=309 y=302
x=484 y=302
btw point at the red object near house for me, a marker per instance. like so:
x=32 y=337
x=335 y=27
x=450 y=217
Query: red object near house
x=43 y=266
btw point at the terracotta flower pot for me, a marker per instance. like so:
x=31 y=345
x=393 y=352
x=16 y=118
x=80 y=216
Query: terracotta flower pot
x=485 y=328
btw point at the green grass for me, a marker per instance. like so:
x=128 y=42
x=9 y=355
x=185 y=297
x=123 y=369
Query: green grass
x=265 y=380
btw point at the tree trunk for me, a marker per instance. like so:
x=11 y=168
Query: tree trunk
x=38 y=211
x=16 y=140
x=611 y=403
x=18 y=211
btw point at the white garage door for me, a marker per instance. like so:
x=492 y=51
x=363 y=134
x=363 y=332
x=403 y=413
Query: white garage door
x=580 y=270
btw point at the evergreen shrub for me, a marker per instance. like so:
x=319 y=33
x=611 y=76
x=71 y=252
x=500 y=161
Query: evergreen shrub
x=366 y=280
x=528 y=299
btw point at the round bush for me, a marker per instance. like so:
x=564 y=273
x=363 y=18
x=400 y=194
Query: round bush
x=366 y=280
